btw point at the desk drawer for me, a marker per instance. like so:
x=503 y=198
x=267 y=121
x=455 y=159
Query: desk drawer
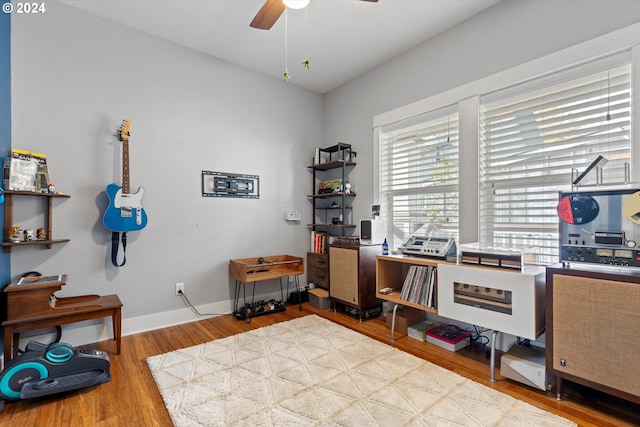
x=318 y=269
x=318 y=260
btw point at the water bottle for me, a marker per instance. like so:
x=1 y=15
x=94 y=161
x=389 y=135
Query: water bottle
x=385 y=247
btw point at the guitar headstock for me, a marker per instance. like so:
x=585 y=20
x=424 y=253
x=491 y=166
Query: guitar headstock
x=125 y=129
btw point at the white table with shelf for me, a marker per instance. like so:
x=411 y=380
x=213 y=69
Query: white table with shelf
x=526 y=318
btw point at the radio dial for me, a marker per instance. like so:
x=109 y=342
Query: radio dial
x=631 y=244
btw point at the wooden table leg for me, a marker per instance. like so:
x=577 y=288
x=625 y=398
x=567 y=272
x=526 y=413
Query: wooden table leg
x=117 y=328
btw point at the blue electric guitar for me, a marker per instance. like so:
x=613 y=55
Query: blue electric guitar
x=125 y=212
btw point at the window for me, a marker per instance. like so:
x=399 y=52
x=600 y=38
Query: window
x=536 y=138
x=419 y=175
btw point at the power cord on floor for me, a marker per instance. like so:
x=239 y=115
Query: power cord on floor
x=195 y=310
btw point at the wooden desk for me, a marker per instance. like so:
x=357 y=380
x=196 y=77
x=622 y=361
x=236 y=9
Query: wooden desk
x=31 y=307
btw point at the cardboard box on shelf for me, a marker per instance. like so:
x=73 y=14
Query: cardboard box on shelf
x=405 y=317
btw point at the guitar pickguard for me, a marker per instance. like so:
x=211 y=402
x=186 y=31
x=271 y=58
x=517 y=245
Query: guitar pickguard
x=125 y=212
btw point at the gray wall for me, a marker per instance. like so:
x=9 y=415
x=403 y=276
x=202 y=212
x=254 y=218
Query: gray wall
x=75 y=77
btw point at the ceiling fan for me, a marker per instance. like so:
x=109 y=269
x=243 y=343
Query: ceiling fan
x=271 y=11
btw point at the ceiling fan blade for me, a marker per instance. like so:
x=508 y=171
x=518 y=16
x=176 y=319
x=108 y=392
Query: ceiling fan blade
x=372 y=1
x=268 y=14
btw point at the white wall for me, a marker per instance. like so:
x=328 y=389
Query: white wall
x=75 y=78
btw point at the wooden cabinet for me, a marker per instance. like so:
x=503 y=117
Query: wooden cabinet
x=592 y=329
x=318 y=269
x=9 y=195
x=352 y=273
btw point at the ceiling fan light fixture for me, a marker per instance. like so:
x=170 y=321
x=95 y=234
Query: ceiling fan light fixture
x=296 y=4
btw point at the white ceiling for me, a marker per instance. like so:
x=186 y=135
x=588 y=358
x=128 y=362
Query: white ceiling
x=341 y=38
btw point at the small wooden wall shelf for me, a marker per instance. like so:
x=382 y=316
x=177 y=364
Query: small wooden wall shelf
x=7 y=244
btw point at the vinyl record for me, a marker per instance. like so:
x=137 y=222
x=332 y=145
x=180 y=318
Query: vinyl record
x=578 y=209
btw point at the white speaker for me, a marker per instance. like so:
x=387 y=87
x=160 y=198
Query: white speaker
x=371 y=231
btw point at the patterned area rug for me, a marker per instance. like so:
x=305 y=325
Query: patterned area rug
x=312 y=372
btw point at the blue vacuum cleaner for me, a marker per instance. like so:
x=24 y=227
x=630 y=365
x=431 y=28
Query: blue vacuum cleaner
x=48 y=369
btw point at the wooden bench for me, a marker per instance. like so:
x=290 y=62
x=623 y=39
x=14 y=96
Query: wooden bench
x=34 y=306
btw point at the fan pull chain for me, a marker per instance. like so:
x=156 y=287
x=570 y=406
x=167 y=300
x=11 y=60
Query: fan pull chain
x=305 y=61
x=287 y=76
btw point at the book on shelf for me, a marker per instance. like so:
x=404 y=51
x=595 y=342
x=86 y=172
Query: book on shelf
x=26 y=171
x=320 y=242
x=419 y=286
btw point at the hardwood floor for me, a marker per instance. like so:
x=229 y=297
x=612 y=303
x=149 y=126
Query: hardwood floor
x=132 y=399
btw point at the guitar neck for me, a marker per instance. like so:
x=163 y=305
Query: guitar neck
x=125 y=166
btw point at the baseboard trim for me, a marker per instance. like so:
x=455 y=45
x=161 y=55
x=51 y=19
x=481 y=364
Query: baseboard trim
x=92 y=331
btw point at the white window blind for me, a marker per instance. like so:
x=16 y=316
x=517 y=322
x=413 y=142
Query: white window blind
x=419 y=175
x=532 y=138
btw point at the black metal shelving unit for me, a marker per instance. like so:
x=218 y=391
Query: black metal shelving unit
x=339 y=156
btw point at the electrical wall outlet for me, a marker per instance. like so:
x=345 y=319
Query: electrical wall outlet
x=179 y=288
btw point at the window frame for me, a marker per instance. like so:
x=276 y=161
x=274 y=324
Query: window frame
x=431 y=133
x=557 y=125
x=466 y=96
